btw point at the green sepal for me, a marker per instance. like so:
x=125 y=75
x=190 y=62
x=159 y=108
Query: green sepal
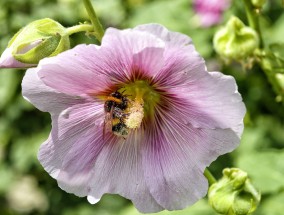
x=49 y=47
x=278 y=50
x=50 y=38
x=233 y=194
x=64 y=44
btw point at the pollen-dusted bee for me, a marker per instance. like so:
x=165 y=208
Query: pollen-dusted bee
x=116 y=99
x=115 y=106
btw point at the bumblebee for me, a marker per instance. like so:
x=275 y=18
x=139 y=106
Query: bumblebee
x=120 y=129
x=115 y=106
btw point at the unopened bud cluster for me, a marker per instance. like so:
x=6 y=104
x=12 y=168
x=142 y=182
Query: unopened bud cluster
x=39 y=39
x=235 y=41
x=233 y=194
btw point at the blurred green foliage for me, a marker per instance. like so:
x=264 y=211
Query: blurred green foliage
x=25 y=188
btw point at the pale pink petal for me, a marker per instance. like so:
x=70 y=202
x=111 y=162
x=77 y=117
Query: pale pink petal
x=43 y=97
x=154 y=59
x=125 y=41
x=93 y=164
x=74 y=122
x=119 y=170
x=172 y=39
x=179 y=53
x=209 y=102
x=8 y=61
x=175 y=155
x=74 y=71
x=75 y=141
x=54 y=156
x=128 y=56
x=75 y=169
x=179 y=61
x=206 y=100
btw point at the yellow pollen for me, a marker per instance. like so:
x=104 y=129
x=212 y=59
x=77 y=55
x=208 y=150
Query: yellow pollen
x=135 y=114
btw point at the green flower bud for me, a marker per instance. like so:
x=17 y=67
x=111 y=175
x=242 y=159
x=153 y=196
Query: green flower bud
x=235 y=41
x=233 y=194
x=258 y=3
x=39 y=39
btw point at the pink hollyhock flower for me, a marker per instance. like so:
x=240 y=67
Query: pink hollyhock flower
x=210 y=11
x=138 y=116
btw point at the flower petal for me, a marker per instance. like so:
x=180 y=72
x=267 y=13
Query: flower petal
x=71 y=149
x=180 y=61
x=204 y=99
x=128 y=55
x=175 y=156
x=212 y=101
x=118 y=169
x=43 y=97
x=154 y=59
x=74 y=71
x=173 y=39
x=125 y=41
x=179 y=52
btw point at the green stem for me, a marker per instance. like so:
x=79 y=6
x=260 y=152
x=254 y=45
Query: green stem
x=253 y=19
x=99 y=31
x=211 y=179
x=80 y=28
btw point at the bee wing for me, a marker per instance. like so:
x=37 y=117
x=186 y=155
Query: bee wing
x=108 y=122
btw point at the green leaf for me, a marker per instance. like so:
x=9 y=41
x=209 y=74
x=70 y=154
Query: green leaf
x=9 y=81
x=24 y=151
x=7 y=177
x=272 y=205
x=264 y=133
x=266 y=169
x=113 y=18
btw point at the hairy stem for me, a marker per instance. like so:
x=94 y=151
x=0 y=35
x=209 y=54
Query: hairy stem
x=98 y=30
x=211 y=179
x=80 y=28
x=253 y=19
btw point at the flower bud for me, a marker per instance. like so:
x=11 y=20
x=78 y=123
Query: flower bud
x=258 y=3
x=233 y=194
x=39 y=39
x=235 y=41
